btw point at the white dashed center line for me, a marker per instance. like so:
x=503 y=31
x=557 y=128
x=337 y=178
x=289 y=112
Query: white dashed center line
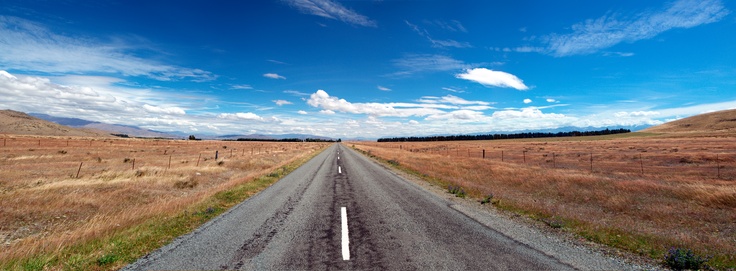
x=339 y=169
x=345 y=240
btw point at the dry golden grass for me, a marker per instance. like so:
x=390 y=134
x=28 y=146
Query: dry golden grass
x=46 y=207
x=678 y=200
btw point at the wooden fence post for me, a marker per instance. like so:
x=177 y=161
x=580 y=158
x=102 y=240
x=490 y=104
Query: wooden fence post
x=169 y=162
x=591 y=162
x=641 y=162
x=524 y=153
x=484 y=153
x=501 y=156
x=718 y=166
x=200 y=157
x=554 y=161
x=78 y=170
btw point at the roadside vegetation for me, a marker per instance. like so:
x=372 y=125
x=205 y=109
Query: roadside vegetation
x=98 y=204
x=669 y=198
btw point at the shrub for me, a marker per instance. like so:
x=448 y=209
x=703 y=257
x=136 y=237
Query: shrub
x=62 y=152
x=456 y=190
x=487 y=199
x=681 y=259
x=393 y=162
x=107 y=259
x=190 y=183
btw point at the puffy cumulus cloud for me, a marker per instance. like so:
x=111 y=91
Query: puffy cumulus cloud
x=550 y=100
x=281 y=102
x=240 y=116
x=327 y=112
x=323 y=100
x=302 y=112
x=527 y=101
x=27 y=45
x=491 y=78
x=273 y=76
x=413 y=122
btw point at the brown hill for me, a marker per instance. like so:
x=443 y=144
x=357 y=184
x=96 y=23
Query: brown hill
x=720 y=121
x=19 y=123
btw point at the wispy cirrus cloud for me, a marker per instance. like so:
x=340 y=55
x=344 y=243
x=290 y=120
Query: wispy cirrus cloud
x=604 y=32
x=30 y=46
x=440 y=43
x=382 y=88
x=331 y=10
x=416 y=63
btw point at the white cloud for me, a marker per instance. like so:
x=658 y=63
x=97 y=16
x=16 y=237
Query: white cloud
x=527 y=101
x=604 y=32
x=327 y=112
x=488 y=77
x=240 y=116
x=296 y=93
x=281 y=102
x=453 y=90
x=331 y=10
x=164 y=110
x=620 y=54
x=550 y=100
x=29 y=46
x=273 y=76
x=458 y=115
x=323 y=100
x=413 y=122
x=636 y=114
x=382 y=88
x=301 y=112
x=450 y=99
x=241 y=87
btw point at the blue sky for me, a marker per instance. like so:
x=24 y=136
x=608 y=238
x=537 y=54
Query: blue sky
x=368 y=68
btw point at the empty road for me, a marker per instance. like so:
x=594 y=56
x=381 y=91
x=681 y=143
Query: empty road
x=341 y=210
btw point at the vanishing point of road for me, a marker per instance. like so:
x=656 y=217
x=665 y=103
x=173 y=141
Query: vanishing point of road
x=341 y=210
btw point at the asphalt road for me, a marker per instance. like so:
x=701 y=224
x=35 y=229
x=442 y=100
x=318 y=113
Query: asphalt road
x=297 y=224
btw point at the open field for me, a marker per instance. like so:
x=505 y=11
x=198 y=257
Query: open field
x=643 y=193
x=56 y=192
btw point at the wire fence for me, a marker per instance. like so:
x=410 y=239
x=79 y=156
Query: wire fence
x=712 y=161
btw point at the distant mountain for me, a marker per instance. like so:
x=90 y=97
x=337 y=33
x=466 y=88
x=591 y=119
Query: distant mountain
x=275 y=137
x=719 y=121
x=131 y=131
x=14 y=122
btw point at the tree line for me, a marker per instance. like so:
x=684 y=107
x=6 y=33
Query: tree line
x=288 y=140
x=504 y=136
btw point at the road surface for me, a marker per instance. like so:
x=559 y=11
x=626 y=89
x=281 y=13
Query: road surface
x=341 y=210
